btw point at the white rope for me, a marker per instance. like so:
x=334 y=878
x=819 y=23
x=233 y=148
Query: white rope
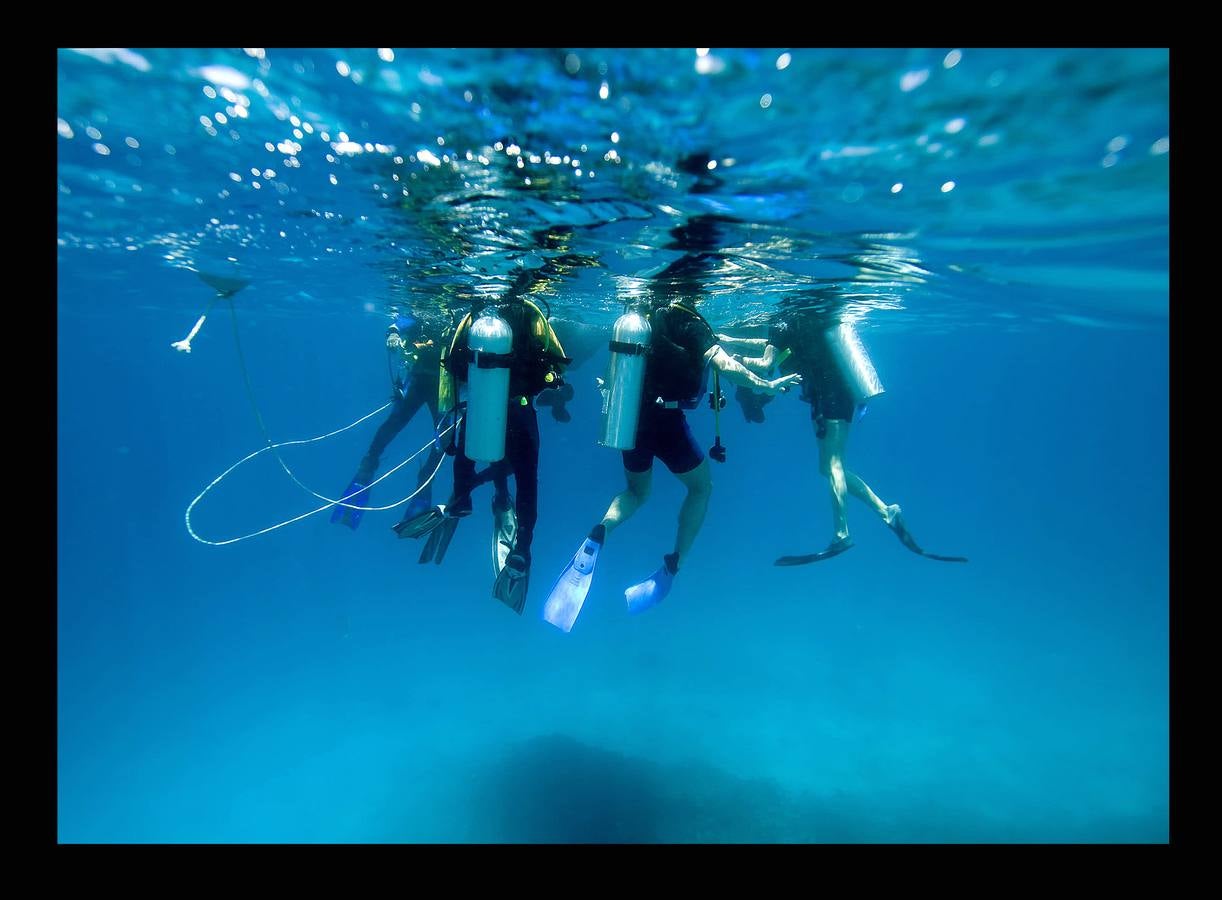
x=330 y=503
x=185 y=345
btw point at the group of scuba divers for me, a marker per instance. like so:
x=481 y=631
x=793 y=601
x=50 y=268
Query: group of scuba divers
x=505 y=359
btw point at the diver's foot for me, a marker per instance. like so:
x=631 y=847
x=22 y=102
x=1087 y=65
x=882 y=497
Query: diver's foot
x=651 y=592
x=512 y=582
x=459 y=507
x=895 y=521
x=518 y=563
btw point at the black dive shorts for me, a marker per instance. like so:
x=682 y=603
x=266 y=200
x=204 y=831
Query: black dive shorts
x=833 y=405
x=663 y=433
x=829 y=397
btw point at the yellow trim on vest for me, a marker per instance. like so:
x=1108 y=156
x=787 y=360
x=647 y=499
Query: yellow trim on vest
x=543 y=331
x=687 y=309
x=447 y=390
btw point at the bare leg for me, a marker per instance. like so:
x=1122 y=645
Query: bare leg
x=842 y=481
x=629 y=500
x=699 y=484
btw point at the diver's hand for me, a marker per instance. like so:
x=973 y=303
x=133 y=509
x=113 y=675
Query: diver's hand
x=784 y=383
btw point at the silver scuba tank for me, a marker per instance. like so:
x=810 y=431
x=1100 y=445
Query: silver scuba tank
x=849 y=353
x=490 y=339
x=625 y=381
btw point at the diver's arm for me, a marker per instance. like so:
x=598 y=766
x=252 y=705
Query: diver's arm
x=761 y=365
x=739 y=345
x=740 y=374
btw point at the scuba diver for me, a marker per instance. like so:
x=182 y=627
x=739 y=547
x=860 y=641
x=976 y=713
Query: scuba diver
x=582 y=341
x=413 y=358
x=661 y=355
x=838 y=381
x=505 y=355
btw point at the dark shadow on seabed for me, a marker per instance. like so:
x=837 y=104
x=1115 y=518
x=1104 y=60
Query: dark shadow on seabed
x=556 y=789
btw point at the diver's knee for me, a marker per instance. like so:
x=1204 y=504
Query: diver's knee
x=637 y=484
x=701 y=488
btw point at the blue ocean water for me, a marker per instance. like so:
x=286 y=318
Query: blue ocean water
x=999 y=219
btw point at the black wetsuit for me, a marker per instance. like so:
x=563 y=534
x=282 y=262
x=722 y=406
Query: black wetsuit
x=422 y=391
x=674 y=371
x=526 y=381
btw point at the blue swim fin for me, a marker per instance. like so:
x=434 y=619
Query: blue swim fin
x=650 y=593
x=569 y=592
x=357 y=495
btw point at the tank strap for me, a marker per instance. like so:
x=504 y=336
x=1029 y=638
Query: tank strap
x=629 y=349
x=485 y=360
x=676 y=404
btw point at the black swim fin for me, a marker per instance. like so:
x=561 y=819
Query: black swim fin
x=439 y=541
x=901 y=531
x=511 y=584
x=835 y=548
x=420 y=524
x=504 y=531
